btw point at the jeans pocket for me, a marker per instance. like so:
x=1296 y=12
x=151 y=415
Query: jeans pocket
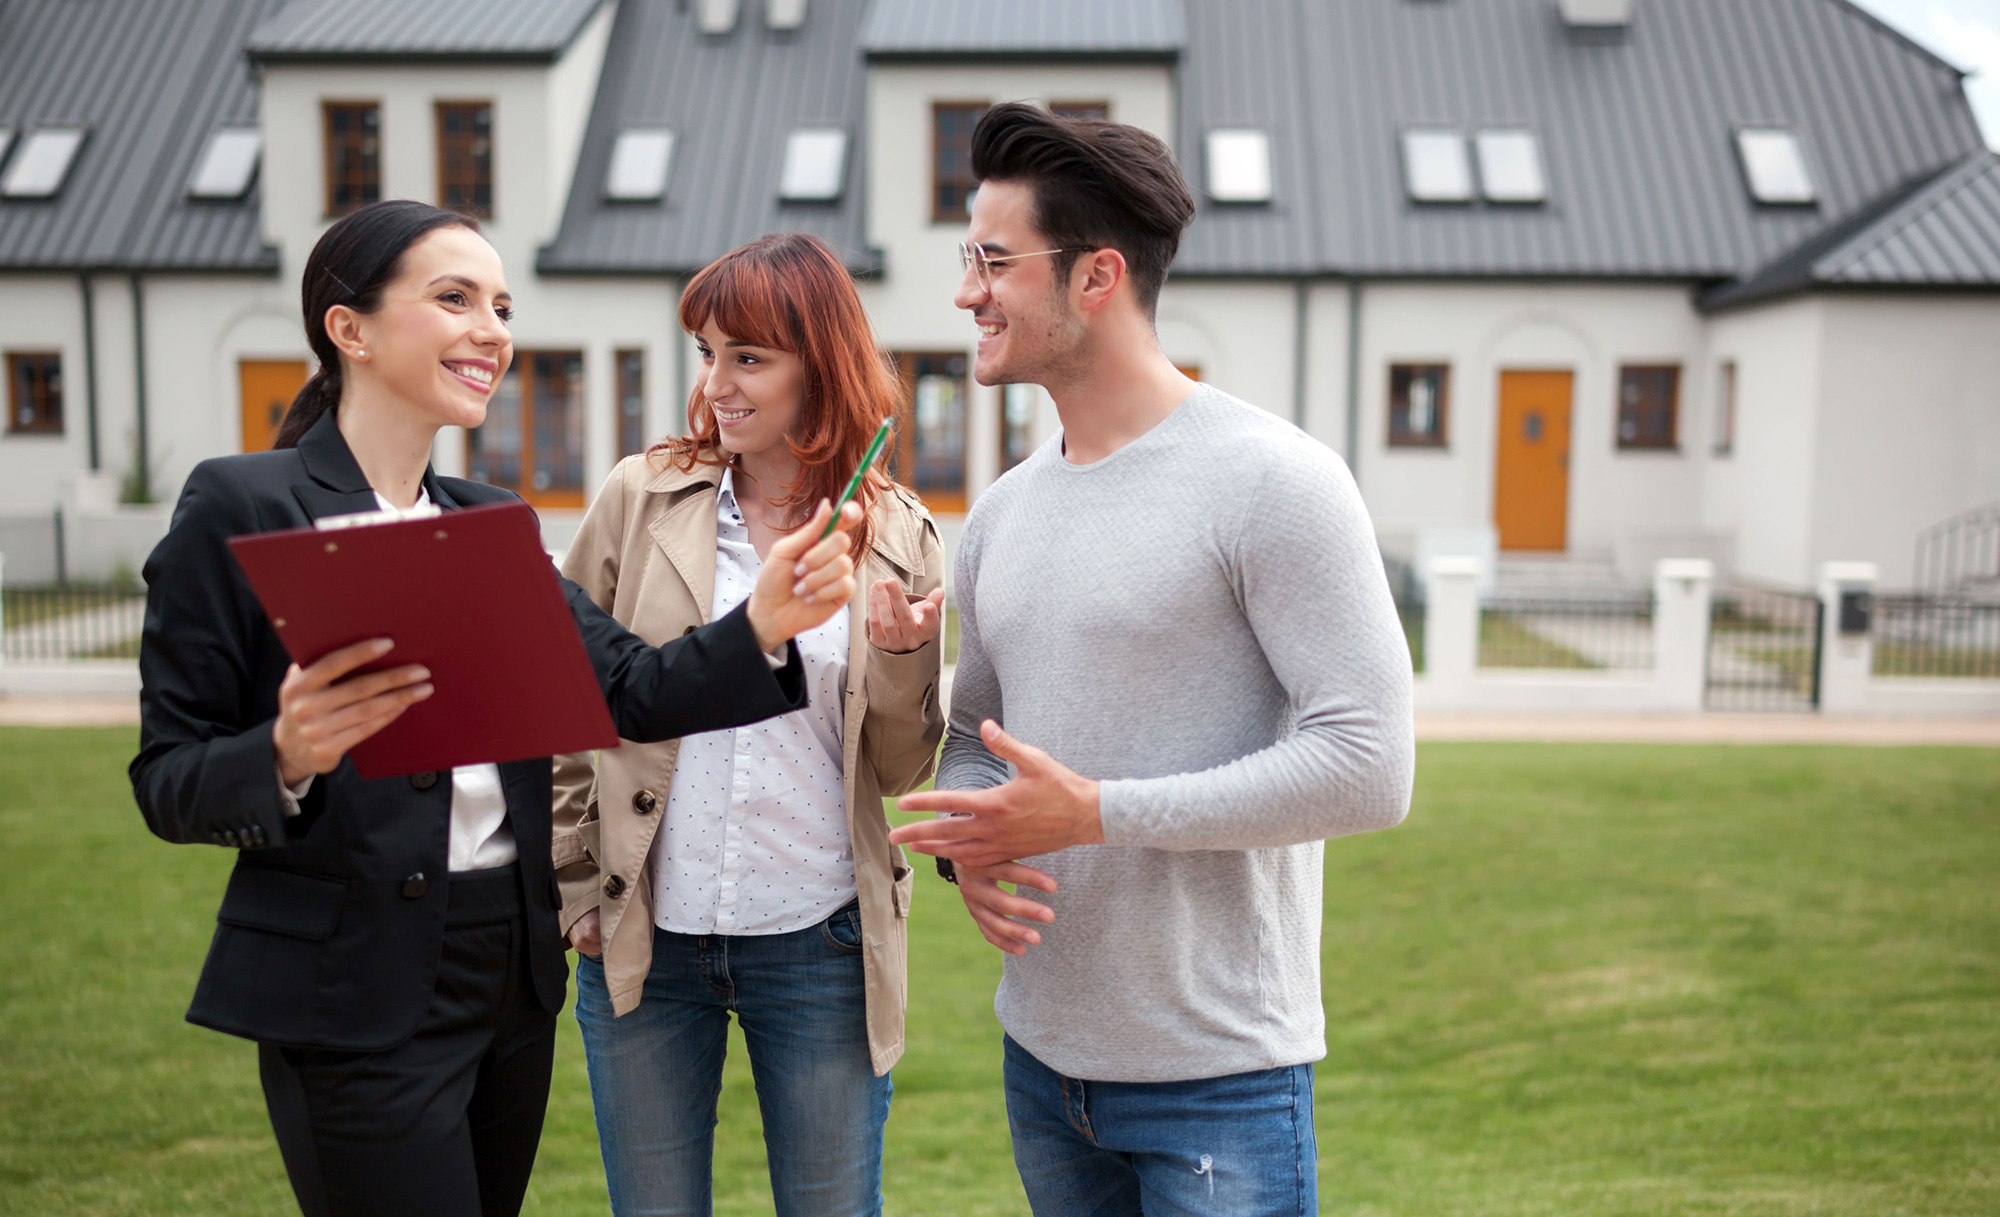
x=842 y=931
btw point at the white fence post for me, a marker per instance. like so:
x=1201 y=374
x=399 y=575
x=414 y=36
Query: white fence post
x=1682 y=590
x=1451 y=627
x=1846 y=653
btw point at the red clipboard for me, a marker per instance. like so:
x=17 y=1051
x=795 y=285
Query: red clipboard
x=471 y=596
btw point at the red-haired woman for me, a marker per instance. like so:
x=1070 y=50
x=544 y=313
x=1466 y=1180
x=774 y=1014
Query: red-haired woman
x=751 y=870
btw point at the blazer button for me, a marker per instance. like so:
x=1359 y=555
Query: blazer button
x=423 y=781
x=645 y=802
x=614 y=886
x=687 y=631
x=415 y=886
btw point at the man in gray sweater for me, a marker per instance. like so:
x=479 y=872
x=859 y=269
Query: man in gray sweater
x=1177 y=611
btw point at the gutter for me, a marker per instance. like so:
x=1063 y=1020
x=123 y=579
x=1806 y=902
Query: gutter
x=142 y=472
x=1300 y=302
x=1354 y=377
x=90 y=370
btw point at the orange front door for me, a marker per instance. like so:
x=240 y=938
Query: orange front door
x=1531 y=486
x=268 y=387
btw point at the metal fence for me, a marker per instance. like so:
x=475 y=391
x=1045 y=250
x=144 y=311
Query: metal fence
x=1763 y=651
x=1408 y=592
x=55 y=624
x=1600 y=631
x=1920 y=635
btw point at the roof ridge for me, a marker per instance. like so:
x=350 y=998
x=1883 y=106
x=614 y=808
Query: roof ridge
x=1903 y=38
x=1947 y=184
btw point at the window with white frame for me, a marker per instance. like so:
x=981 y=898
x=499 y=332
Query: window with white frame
x=1510 y=166
x=815 y=168
x=1774 y=164
x=228 y=164
x=640 y=162
x=1435 y=166
x=1239 y=165
x=43 y=163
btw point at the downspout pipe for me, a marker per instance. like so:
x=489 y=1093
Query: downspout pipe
x=1301 y=300
x=90 y=370
x=142 y=472
x=1353 y=452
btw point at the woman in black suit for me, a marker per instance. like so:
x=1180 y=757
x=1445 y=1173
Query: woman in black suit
x=391 y=945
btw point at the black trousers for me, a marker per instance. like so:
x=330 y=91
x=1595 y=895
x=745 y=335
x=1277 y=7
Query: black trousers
x=446 y=1123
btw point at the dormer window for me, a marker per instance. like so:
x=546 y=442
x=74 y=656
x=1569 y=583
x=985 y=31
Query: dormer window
x=1774 y=165
x=815 y=165
x=1510 y=166
x=640 y=161
x=43 y=163
x=1435 y=166
x=228 y=164
x=1239 y=165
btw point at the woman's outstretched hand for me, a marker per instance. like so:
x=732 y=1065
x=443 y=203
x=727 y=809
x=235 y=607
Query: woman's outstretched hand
x=805 y=580
x=898 y=624
x=322 y=712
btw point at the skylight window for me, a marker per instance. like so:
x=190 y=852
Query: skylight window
x=6 y=141
x=639 y=164
x=1775 y=165
x=1435 y=166
x=42 y=163
x=815 y=165
x=1239 y=165
x=227 y=164
x=1510 y=166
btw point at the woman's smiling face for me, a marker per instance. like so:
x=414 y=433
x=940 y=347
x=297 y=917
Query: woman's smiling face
x=755 y=391
x=439 y=342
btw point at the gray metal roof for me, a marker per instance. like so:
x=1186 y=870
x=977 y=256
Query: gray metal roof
x=1636 y=131
x=1095 y=28
x=730 y=102
x=533 y=30
x=151 y=81
x=1943 y=231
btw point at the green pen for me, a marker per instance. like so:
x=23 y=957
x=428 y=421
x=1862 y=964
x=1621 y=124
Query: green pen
x=854 y=483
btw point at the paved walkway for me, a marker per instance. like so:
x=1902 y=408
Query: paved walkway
x=1635 y=729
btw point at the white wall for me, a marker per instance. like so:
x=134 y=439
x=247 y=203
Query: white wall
x=1909 y=423
x=37 y=314
x=1763 y=489
x=1481 y=330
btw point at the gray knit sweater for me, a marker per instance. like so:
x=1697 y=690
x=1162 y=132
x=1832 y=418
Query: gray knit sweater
x=1201 y=621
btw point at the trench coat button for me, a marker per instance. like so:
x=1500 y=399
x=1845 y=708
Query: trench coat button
x=415 y=886
x=645 y=802
x=614 y=886
x=687 y=631
x=423 y=781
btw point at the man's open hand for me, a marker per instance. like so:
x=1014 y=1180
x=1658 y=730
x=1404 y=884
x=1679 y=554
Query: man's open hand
x=1047 y=807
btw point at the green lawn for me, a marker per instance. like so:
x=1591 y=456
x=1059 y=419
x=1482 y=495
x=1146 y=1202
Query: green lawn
x=1581 y=980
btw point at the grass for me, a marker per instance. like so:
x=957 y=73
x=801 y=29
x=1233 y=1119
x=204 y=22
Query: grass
x=1587 y=979
x=1506 y=643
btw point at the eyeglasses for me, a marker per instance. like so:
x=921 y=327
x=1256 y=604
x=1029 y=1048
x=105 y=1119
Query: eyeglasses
x=973 y=256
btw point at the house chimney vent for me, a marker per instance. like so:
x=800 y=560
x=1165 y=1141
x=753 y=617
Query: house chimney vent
x=1596 y=14
x=716 y=16
x=784 y=14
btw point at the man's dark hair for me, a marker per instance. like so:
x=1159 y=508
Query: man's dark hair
x=1096 y=184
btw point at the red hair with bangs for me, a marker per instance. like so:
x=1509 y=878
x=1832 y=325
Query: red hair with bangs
x=790 y=292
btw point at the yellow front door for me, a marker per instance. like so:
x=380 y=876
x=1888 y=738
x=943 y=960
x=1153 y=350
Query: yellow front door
x=268 y=386
x=1531 y=486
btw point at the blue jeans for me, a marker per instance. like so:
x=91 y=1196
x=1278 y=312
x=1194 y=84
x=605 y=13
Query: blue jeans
x=655 y=1074
x=1240 y=1145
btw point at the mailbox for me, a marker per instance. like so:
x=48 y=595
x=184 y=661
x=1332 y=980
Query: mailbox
x=1857 y=611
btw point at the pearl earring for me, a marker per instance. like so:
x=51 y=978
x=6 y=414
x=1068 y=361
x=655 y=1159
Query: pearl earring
x=361 y=354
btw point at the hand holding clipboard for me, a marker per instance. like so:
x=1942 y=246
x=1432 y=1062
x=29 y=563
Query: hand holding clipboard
x=488 y=662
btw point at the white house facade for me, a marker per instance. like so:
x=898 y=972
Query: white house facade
x=1618 y=280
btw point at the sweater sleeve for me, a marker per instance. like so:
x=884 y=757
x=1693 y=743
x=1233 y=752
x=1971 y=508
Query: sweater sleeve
x=975 y=688
x=1309 y=577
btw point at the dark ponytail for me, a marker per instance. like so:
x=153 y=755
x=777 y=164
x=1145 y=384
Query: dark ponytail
x=355 y=259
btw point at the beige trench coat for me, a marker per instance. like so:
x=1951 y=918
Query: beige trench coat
x=646 y=554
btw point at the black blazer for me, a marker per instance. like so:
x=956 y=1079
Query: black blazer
x=331 y=928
